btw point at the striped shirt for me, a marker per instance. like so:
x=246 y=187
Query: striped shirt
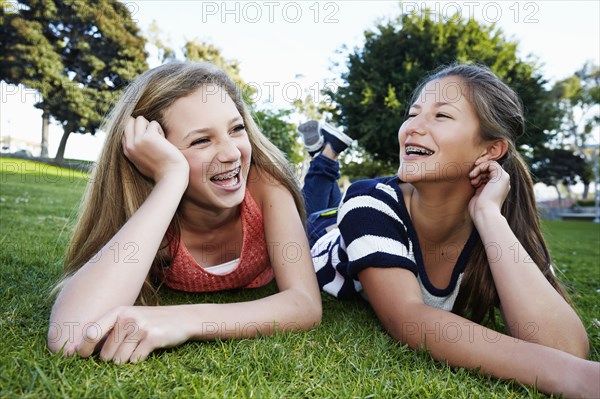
x=375 y=230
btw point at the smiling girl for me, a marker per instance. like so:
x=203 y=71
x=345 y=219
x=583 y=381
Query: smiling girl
x=455 y=235
x=187 y=193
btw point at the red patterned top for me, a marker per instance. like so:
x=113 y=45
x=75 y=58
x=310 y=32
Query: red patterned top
x=254 y=267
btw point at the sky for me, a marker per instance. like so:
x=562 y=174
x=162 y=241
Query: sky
x=286 y=49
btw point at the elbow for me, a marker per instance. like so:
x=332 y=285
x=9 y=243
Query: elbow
x=579 y=347
x=312 y=315
x=309 y=311
x=408 y=328
x=316 y=314
x=574 y=341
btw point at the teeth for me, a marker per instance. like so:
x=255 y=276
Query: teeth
x=411 y=149
x=226 y=176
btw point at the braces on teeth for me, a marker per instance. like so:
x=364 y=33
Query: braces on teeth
x=410 y=149
x=229 y=175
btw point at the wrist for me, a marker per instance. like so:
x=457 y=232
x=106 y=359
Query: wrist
x=176 y=176
x=487 y=217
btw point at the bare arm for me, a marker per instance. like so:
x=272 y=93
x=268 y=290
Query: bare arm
x=132 y=333
x=297 y=305
x=533 y=309
x=107 y=280
x=396 y=298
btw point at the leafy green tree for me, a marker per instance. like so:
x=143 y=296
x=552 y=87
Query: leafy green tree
x=165 y=52
x=77 y=54
x=578 y=96
x=358 y=164
x=274 y=124
x=559 y=166
x=195 y=50
x=380 y=77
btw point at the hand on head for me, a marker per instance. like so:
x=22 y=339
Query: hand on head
x=145 y=145
x=491 y=184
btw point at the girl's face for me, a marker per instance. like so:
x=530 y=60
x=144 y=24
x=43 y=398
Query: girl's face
x=209 y=130
x=439 y=141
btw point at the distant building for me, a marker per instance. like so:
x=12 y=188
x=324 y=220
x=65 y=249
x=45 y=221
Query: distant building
x=11 y=145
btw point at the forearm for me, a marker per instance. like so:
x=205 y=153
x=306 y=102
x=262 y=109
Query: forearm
x=116 y=274
x=533 y=309
x=463 y=343
x=289 y=310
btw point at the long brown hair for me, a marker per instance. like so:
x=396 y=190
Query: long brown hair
x=500 y=113
x=116 y=189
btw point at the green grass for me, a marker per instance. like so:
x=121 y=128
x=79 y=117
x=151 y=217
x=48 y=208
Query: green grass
x=348 y=356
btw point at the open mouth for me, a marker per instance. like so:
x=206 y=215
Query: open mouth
x=417 y=150
x=228 y=179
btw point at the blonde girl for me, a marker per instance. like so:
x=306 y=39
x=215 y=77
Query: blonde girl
x=187 y=193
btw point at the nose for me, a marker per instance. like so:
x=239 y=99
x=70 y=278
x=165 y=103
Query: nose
x=228 y=151
x=415 y=125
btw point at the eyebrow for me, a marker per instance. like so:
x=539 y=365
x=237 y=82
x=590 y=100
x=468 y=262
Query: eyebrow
x=206 y=129
x=438 y=104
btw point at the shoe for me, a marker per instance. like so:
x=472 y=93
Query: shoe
x=312 y=136
x=336 y=139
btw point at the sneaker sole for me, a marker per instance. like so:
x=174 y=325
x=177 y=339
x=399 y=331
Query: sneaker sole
x=337 y=134
x=310 y=130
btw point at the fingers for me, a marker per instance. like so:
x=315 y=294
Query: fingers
x=122 y=340
x=95 y=332
x=488 y=172
x=122 y=348
x=128 y=135
x=134 y=128
x=155 y=127
x=142 y=352
x=121 y=337
x=141 y=125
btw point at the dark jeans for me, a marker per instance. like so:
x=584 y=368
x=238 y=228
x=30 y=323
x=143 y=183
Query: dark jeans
x=321 y=196
x=320 y=185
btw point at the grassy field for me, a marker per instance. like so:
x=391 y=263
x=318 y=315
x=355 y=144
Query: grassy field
x=348 y=356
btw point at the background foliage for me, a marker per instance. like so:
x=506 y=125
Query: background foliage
x=77 y=54
x=382 y=75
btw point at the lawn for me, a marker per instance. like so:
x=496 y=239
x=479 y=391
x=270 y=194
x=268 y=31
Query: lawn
x=348 y=356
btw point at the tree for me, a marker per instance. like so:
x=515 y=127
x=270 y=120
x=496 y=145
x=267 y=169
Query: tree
x=559 y=166
x=165 y=52
x=578 y=96
x=78 y=55
x=280 y=132
x=372 y=101
x=358 y=164
x=195 y=50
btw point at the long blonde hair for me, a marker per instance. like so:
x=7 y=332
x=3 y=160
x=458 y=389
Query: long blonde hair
x=116 y=189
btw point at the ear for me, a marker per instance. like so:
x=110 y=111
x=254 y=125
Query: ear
x=495 y=150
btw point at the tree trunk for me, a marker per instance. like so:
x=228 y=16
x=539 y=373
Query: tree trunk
x=559 y=196
x=568 y=190
x=60 y=154
x=586 y=190
x=45 y=130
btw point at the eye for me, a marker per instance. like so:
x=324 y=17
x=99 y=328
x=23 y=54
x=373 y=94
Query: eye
x=239 y=128
x=440 y=115
x=412 y=115
x=202 y=140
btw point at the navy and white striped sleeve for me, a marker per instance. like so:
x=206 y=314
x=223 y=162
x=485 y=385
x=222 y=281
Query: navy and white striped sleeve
x=372 y=228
